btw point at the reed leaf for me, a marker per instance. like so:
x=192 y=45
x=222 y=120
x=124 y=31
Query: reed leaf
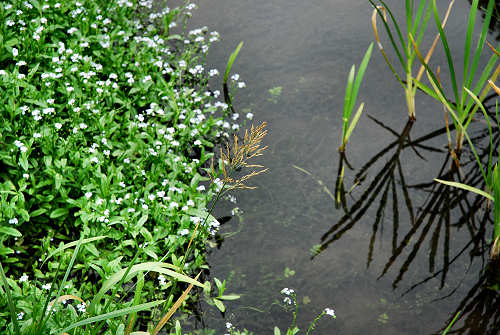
x=230 y=62
x=466 y=187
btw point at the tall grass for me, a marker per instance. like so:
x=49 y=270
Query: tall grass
x=472 y=77
x=351 y=94
x=416 y=23
x=490 y=173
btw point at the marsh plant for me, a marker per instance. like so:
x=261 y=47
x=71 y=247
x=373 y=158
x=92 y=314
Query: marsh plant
x=354 y=81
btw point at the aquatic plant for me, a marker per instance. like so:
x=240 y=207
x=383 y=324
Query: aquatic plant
x=354 y=81
x=464 y=107
x=417 y=20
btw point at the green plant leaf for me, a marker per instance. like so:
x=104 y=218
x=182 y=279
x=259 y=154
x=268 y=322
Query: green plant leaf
x=10 y=231
x=114 y=314
x=466 y=187
x=230 y=62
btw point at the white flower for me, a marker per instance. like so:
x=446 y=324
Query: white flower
x=58 y=125
x=13 y=221
x=242 y=84
x=161 y=279
x=15 y=52
x=184 y=232
x=249 y=116
x=287 y=300
x=47 y=286
x=228 y=325
x=331 y=312
x=197 y=142
x=24 y=278
x=287 y=291
x=20 y=315
x=235 y=77
x=26 y=176
x=88 y=195
x=81 y=307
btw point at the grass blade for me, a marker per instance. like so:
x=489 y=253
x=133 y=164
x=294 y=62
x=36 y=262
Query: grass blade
x=114 y=314
x=466 y=187
x=354 y=121
x=12 y=308
x=447 y=53
x=230 y=62
x=360 y=75
x=174 y=308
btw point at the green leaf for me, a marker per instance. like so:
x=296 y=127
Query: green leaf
x=114 y=314
x=57 y=213
x=220 y=305
x=229 y=297
x=230 y=62
x=70 y=245
x=466 y=187
x=276 y=331
x=10 y=231
x=163 y=268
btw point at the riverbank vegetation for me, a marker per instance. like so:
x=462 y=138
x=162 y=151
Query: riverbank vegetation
x=107 y=131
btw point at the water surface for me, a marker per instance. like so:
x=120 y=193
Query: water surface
x=307 y=48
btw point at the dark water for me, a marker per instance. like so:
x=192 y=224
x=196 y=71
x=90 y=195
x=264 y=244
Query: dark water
x=387 y=267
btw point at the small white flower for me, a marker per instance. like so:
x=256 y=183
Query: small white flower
x=331 y=312
x=58 y=125
x=242 y=84
x=20 y=315
x=81 y=307
x=15 y=52
x=88 y=195
x=235 y=77
x=13 y=221
x=249 y=116
x=26 y=176
x=24 y=278
x=184 y=232
x=47 y=286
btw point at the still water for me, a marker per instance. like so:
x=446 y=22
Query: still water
x=409 y=254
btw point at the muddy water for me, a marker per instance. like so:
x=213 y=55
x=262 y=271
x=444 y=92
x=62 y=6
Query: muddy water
x=372 y=258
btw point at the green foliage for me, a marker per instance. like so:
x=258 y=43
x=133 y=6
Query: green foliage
x=106 y=132
x=351 y=94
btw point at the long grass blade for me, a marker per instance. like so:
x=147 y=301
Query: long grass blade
x=389 y=33
x=114 y=314
x=447 y=51
x=468 y=38
x=346 y=114
x=12 y=308
x=354 y=121
x=65 y=278
x=398 y=31
x=466 y=187
x=231 y=60
x=360 y=75
x=174 y=308
x=480 y=44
